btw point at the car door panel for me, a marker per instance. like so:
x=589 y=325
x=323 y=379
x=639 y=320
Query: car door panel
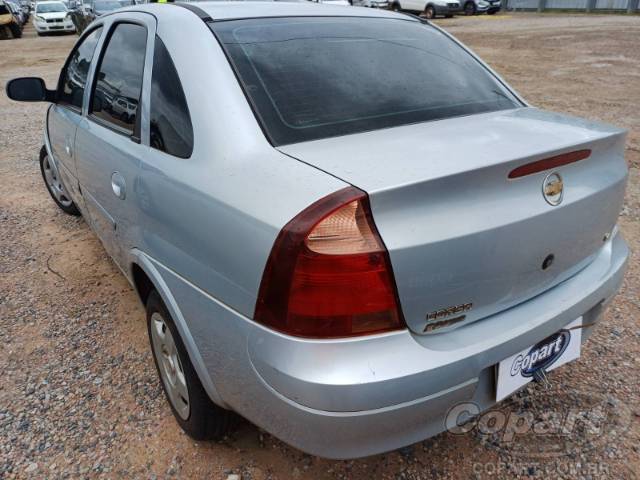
x=415 y=5
x=103 y=153
x=64 y=116
x=107 y=153
x=61 y=125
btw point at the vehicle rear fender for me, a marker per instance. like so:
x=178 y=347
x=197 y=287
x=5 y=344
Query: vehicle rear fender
x=147 y=265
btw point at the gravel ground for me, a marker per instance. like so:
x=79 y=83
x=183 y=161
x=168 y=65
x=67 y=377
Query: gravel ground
x=79 y=395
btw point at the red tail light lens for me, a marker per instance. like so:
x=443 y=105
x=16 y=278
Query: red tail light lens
x=329 y=273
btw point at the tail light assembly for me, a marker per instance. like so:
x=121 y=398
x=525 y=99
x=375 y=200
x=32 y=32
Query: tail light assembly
x=329 y=273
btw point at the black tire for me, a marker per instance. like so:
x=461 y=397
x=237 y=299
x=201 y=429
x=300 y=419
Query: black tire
x=70 y=209
x=206 y=420
x=396 y=7
x=16 y=31
x=429 y=12
x=469 y=9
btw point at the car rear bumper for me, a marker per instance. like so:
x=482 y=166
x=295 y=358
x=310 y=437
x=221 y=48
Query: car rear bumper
x=356 y=397
x=489 y=8
x=383 y=5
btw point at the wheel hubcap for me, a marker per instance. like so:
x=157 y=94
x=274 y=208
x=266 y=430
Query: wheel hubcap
x=54 y=184
x=171 y=371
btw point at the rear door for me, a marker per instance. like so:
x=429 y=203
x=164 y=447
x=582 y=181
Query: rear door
x=66 y=113
x=108 y=142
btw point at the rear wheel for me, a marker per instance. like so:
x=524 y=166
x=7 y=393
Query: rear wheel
x=429 y=12
x=54 y=184
x=470 y=8
x=395 y=7
x=194 y=411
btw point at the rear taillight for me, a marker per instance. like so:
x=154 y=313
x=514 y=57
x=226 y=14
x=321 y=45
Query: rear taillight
x=329 y=273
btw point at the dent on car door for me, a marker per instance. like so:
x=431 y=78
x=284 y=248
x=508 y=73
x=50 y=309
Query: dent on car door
x=108 y=138
x=63 y=117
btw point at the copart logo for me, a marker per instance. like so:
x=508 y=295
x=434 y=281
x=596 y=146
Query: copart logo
x=541 y=355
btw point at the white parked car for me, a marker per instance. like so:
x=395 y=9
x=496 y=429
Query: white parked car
x=428 y=8
x=52 y=17
x=333 y=2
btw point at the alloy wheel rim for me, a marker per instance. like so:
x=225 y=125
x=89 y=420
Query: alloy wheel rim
x=55 y=184
x=170 y=366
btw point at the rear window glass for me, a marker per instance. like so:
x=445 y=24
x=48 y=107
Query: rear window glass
x=312 y=78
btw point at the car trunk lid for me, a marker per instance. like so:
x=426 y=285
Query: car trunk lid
x=466 y=241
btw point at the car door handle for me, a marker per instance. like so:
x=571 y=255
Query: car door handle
x=67 y=145
x=118 y=185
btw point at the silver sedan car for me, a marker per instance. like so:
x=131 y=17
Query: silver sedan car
x=318 y=248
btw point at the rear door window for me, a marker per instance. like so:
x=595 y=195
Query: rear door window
x=170 y=128
x=315 y=77
x=118 y=85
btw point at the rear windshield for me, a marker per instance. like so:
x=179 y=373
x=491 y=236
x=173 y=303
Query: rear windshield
x=50 y=8
x=318 y=77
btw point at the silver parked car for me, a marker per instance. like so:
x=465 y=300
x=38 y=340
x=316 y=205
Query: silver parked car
x=490 y=7
x=317 y=246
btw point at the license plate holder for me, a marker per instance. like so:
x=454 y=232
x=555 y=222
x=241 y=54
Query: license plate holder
x=517 y=370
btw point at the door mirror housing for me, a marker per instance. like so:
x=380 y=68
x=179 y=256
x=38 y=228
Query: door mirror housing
x=29 y=89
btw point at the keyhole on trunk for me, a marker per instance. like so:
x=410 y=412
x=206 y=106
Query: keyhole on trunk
x=548 y=261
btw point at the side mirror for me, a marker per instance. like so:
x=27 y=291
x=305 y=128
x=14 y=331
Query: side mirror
x=29 y=89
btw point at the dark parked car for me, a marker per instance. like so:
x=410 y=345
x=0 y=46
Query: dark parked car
x=90 y=11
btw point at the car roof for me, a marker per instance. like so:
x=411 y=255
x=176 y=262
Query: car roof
x=229 y=10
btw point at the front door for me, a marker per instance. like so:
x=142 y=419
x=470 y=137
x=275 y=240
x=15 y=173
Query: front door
x=63 y=117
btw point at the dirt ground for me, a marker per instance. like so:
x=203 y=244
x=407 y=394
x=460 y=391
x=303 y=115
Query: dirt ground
x=79 y=394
